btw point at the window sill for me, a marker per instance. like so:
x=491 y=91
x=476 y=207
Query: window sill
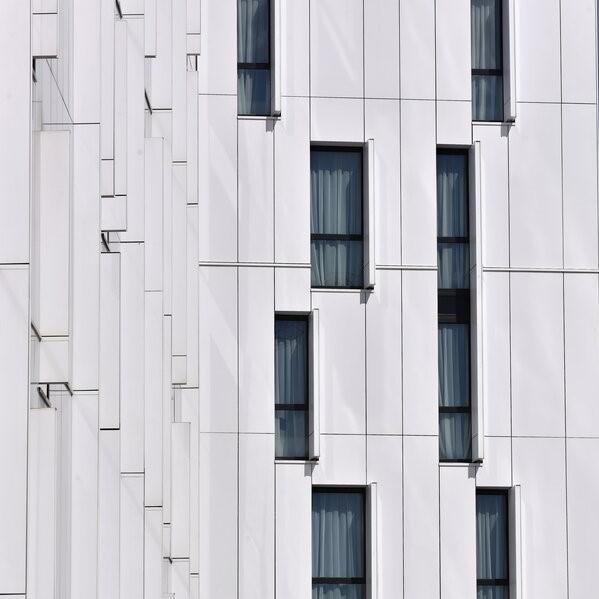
x=457 y=464
x=494 y=123
x=258 y=117
x=297 y=461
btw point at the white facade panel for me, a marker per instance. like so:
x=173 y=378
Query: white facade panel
x=153 y=553
x=180 y=524
x=496 y=470
x=336 y=38
x=421 y=516
x=454 y=123
x=337 y=120
x=132 y=536
x=581 y=311
x=153 y=214
x=384 y=355
x=179 y=261
x=192 y=287
x=293 y=530
x=537 y=355
x=579 y=156
x=218 y=349
x=218 y=175
x=255 y=141
x=382 y=118
x=539 y=467
x=342 y=343
x=538 y=51
x=295 y=67
x=218 y=515
x=292 y=182
x=418 y=183
x=14 y=348
x=162 y=66
x=536 y=186
x=342 y=461
x=292 y=289
x=419 y=327
x=583 y=494
x=256 y=350
x=256 y=516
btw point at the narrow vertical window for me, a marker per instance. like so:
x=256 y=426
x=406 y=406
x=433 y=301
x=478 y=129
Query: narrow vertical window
x=492 y=549
x=338 y=544
x=253 y=57
x=291 y=387
x=487 y=60
x=453 y=258
x=337 y=240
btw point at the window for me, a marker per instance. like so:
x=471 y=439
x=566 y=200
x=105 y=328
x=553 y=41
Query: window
x=253 y=57
x=337 y=250
x=291 y=387
x=453 y=257
x=492 y=550
x=338 y=543
x=487 y=60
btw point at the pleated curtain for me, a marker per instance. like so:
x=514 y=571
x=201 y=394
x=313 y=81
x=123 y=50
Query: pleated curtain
x=487 y=90
x=491 y=544
x=253 y=93
x=336 y=209
x=291 y=374
x=338 y=544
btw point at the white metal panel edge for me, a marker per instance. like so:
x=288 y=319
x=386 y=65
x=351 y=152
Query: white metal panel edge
x=314 y=427
x=509 y=60
x=369 y=217
x=276 y=7
x=515 y=541
x=476 y=304
x=372 y=509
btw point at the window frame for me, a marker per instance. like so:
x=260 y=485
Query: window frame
x=498 y=582
x=356 y=149
x=461 y=300
x=305 y=407
x=500 y=72
x=259 y=66
x=340 y=580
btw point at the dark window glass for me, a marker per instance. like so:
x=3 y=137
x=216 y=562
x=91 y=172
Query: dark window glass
x=291 y=387
x=455 y=435
x=253 y=57
x=338 y=544
x=337 y=250
x=487 y=60
x=492 y=554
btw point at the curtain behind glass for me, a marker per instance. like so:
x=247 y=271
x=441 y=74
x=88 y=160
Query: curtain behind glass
x=336 y=209
x=291 y=434
x=455 y=437
x=253 y=91
x=252 y=31
x=452 y=195
x=454 y=365
x=491 y=537
x=337 y=535
x=291 y=366
x=338 y=591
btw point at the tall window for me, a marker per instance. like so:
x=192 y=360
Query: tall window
x=492 y=545
x=487 y=60
x=337 y=251
x=338 y=544
x=253 y=57
x=453 y=262
x=291 y=387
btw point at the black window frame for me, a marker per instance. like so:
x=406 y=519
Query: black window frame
x=345 y=490
x=259 y=66
x=305 y=407
x=334 y=236
x=454 y=304
x=502 y=582
x=493 y=72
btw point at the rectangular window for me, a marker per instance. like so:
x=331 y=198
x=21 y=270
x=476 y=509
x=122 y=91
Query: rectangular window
x=487 y=60
x=253 y=57
x=291 y=387
x=453 y=258
x=492 y=549
x=337 y=240
x=338 y=543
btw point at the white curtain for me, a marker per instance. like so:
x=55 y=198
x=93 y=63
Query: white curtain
x=253 y=91
x=454 y=365
x=487 y=90
x=337 y=535
x=252 y=31
x=491 y=543
x=455 y=439
x=452 y=195
x=336 y=209
x=338 y=591
x=290 y=434
x=453 y=260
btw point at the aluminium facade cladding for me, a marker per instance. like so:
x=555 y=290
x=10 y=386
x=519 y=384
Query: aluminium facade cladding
x=151 y=235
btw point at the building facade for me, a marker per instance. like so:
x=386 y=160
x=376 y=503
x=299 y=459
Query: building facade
x=299 y=298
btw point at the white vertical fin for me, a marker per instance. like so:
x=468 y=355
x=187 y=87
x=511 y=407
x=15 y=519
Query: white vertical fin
x=476 y=305
x=515 y=541
x=509 y=60
x=372 y=541
x=369 y=216
x=314 y=426
x=275 y=66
